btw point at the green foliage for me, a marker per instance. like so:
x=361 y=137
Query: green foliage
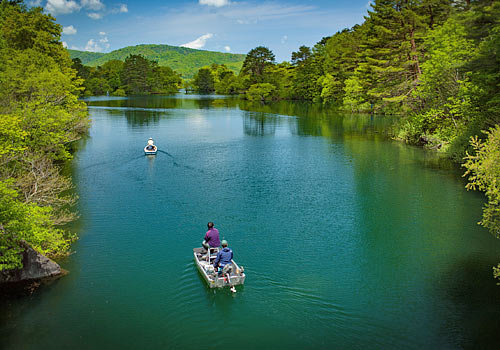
x=119 y=92
x=341 y=59
x=302 y=55
x=87 y=57
x=30 y=223
x=40 y=116
x=354 y=96
x=483 y=27
x=260 y=92
x=447 y=49
x=496 y=272
x=483 y=173
x=137 y=75
x=164 y=80
x=458 y=90
x=184 y=60
x=281 y=76
x=256 y=61
x=204 y=81
x=216 y=77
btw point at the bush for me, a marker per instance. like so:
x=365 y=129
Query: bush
x=261 y=92
x=119 y=92
x=483 y=171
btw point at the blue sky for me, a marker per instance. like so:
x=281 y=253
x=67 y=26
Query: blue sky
x=234 y=26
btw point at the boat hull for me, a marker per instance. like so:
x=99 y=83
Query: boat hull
x=211 y=278
x=150 y=152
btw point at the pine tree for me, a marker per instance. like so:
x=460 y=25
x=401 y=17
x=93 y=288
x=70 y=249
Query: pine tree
x=136 y=71
x=392 y=51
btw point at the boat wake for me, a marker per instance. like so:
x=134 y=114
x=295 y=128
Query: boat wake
x=165 y=152
x=117 y=163
x=177 y=164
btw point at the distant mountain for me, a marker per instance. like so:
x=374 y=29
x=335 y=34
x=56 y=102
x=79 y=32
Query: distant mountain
x=181 y=59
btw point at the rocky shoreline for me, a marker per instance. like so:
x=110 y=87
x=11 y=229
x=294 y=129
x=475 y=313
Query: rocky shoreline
x=37 y=269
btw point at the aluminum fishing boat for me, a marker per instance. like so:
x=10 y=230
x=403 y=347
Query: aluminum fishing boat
x=204 y=262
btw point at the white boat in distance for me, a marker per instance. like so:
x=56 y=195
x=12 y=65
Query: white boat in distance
x=204 y=263
x=150 y=148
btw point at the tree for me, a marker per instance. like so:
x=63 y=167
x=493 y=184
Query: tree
x=40 y=116
x=392 y=51
x=111 y=71
x=204 y=80
x=302 y=55
x=81 y=70
x=164 y=80
x=309 y=71
x=341 y=60
x=136 y=71
x=256 y=61
x=483 y=173
x=260 y=92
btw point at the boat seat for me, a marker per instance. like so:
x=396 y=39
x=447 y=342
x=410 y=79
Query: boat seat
x=209 y=256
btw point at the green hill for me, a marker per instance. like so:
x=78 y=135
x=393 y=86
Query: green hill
x=182 y=59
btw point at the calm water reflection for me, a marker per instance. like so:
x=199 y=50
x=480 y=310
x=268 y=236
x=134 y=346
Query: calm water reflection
x=350 y=240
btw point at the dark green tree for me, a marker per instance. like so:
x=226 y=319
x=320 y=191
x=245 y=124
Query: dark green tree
x=204 y=81
x=81 y=70
x=135 y=74
x=112 y=71
x=302 y=55
x=309 y=70
x=256 y=61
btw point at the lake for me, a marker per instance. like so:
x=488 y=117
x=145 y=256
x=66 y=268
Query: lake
x=349 y=240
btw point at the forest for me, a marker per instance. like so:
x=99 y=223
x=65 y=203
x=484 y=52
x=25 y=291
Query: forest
x=183 y=60
x=136 y=75
x=40 y=118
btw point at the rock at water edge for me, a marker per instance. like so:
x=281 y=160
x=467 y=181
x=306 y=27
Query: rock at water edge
x=35 y=267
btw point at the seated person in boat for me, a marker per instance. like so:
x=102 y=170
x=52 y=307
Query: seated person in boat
x=223 y=259
x=150 y=145
x=211 y=237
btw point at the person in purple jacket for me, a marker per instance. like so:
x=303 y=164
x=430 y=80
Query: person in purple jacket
x=211 y=237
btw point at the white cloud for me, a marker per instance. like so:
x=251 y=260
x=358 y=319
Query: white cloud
x=284 y=39
x=35 y=3
x=65 y=45
x=95 y=15
x=69 y=30
x=95 y=5
x=199 y=42
x=102 y=33
x=119 y=8
x=92 y=46
x=227 y=48
x=57 y=7
x=216 y=3
x=95 y=45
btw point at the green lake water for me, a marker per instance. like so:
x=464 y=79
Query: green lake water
x=349 y=240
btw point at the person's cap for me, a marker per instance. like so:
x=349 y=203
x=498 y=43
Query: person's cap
x=224 y=242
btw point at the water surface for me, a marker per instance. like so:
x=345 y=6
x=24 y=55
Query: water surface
x=349 y=240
